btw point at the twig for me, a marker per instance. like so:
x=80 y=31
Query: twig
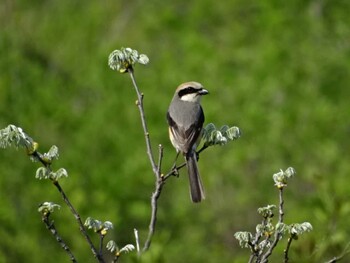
x=290 y=239
x=255 y=251
x=156 y=169
x=345 y=252
x=160 y=158
x=101 y=245
x=143 y=121
x=136 y=233
x=277 y=237
x=51 y=227
x=74 y=212
x=173 y=171
x=80 y=223
x=176 y=169
x=154 y=204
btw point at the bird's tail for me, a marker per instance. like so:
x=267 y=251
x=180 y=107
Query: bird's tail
x=196 y=187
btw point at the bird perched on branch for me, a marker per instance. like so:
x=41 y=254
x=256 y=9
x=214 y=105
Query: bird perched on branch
x=185 y=118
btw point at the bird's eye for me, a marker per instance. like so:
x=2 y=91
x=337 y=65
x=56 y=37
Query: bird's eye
x=188 y=90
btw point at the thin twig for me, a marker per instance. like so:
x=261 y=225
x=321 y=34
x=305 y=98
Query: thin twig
x=154 y=204
x=51 y=227
x=277 y=237
x=80 y=223
x=101 y=245
x=254 y=252
x=160 y=158
x=177 y=168
x=116 y=257
x=136 y=233
x=143 y=121
x=345 y=252
x=254 y=244
x=156 y=169
x=286 y=251
x=173 y=171
x=71 y=207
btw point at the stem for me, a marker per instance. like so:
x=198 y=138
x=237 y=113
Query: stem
x=136 y=233
x=74 y=212
x=51 y=227
x=154 y=204
x=173 y=171
x=290 y=239
x=343 y=254
x=160 y=158
x=143 y=121
x=156 y=169
x=101 y=245
x=80 y=223
x=278 y=234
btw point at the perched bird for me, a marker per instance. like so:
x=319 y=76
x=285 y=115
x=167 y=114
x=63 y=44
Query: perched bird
x=185 y=118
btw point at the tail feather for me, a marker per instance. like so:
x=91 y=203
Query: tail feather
x=196 y=187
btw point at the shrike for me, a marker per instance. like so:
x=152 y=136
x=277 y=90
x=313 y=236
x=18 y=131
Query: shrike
x=185 y=118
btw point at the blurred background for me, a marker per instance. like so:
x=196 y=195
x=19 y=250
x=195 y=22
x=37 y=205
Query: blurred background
x=279 y=70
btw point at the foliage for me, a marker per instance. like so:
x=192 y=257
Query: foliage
x=268 y=234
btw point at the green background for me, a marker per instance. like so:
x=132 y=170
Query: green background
x=279 y=70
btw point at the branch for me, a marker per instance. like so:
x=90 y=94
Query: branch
x=174 y=170
x=101 y=244
x=156 y=168
x=80 y=223
x=286 y=251
x=278 y=234
x=51 y=227
x=72 y=209
x=139 y=104
x=342 y=255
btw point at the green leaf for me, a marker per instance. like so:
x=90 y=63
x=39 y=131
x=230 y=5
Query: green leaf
x=213 y=136
x=42 y=173
x=48 y=207
x=112 y=246
x=58 y=174
x=123 y=59
x=244 y=238
x=51 y=154
x=266 y=211
x=232 y=133
x=98 y=226
x=127 y=248
x=298 y=229
x=281 y=178
x=12 y=135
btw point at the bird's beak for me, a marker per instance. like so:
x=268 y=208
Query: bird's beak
x=203 y=92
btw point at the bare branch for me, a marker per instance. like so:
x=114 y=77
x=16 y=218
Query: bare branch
x=345 y=252
x=278 y=234
x=101 y=244
x=51 y=227
x=154 y=204
x=156 y=168
x=160 y=158
x=136 y=233
x=143 y=121
x=71 y=207
x=286 y=251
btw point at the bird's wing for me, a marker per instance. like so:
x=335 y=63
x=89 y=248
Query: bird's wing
x=186 y=137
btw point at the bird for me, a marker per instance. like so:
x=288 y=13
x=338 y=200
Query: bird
x=185 y=118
